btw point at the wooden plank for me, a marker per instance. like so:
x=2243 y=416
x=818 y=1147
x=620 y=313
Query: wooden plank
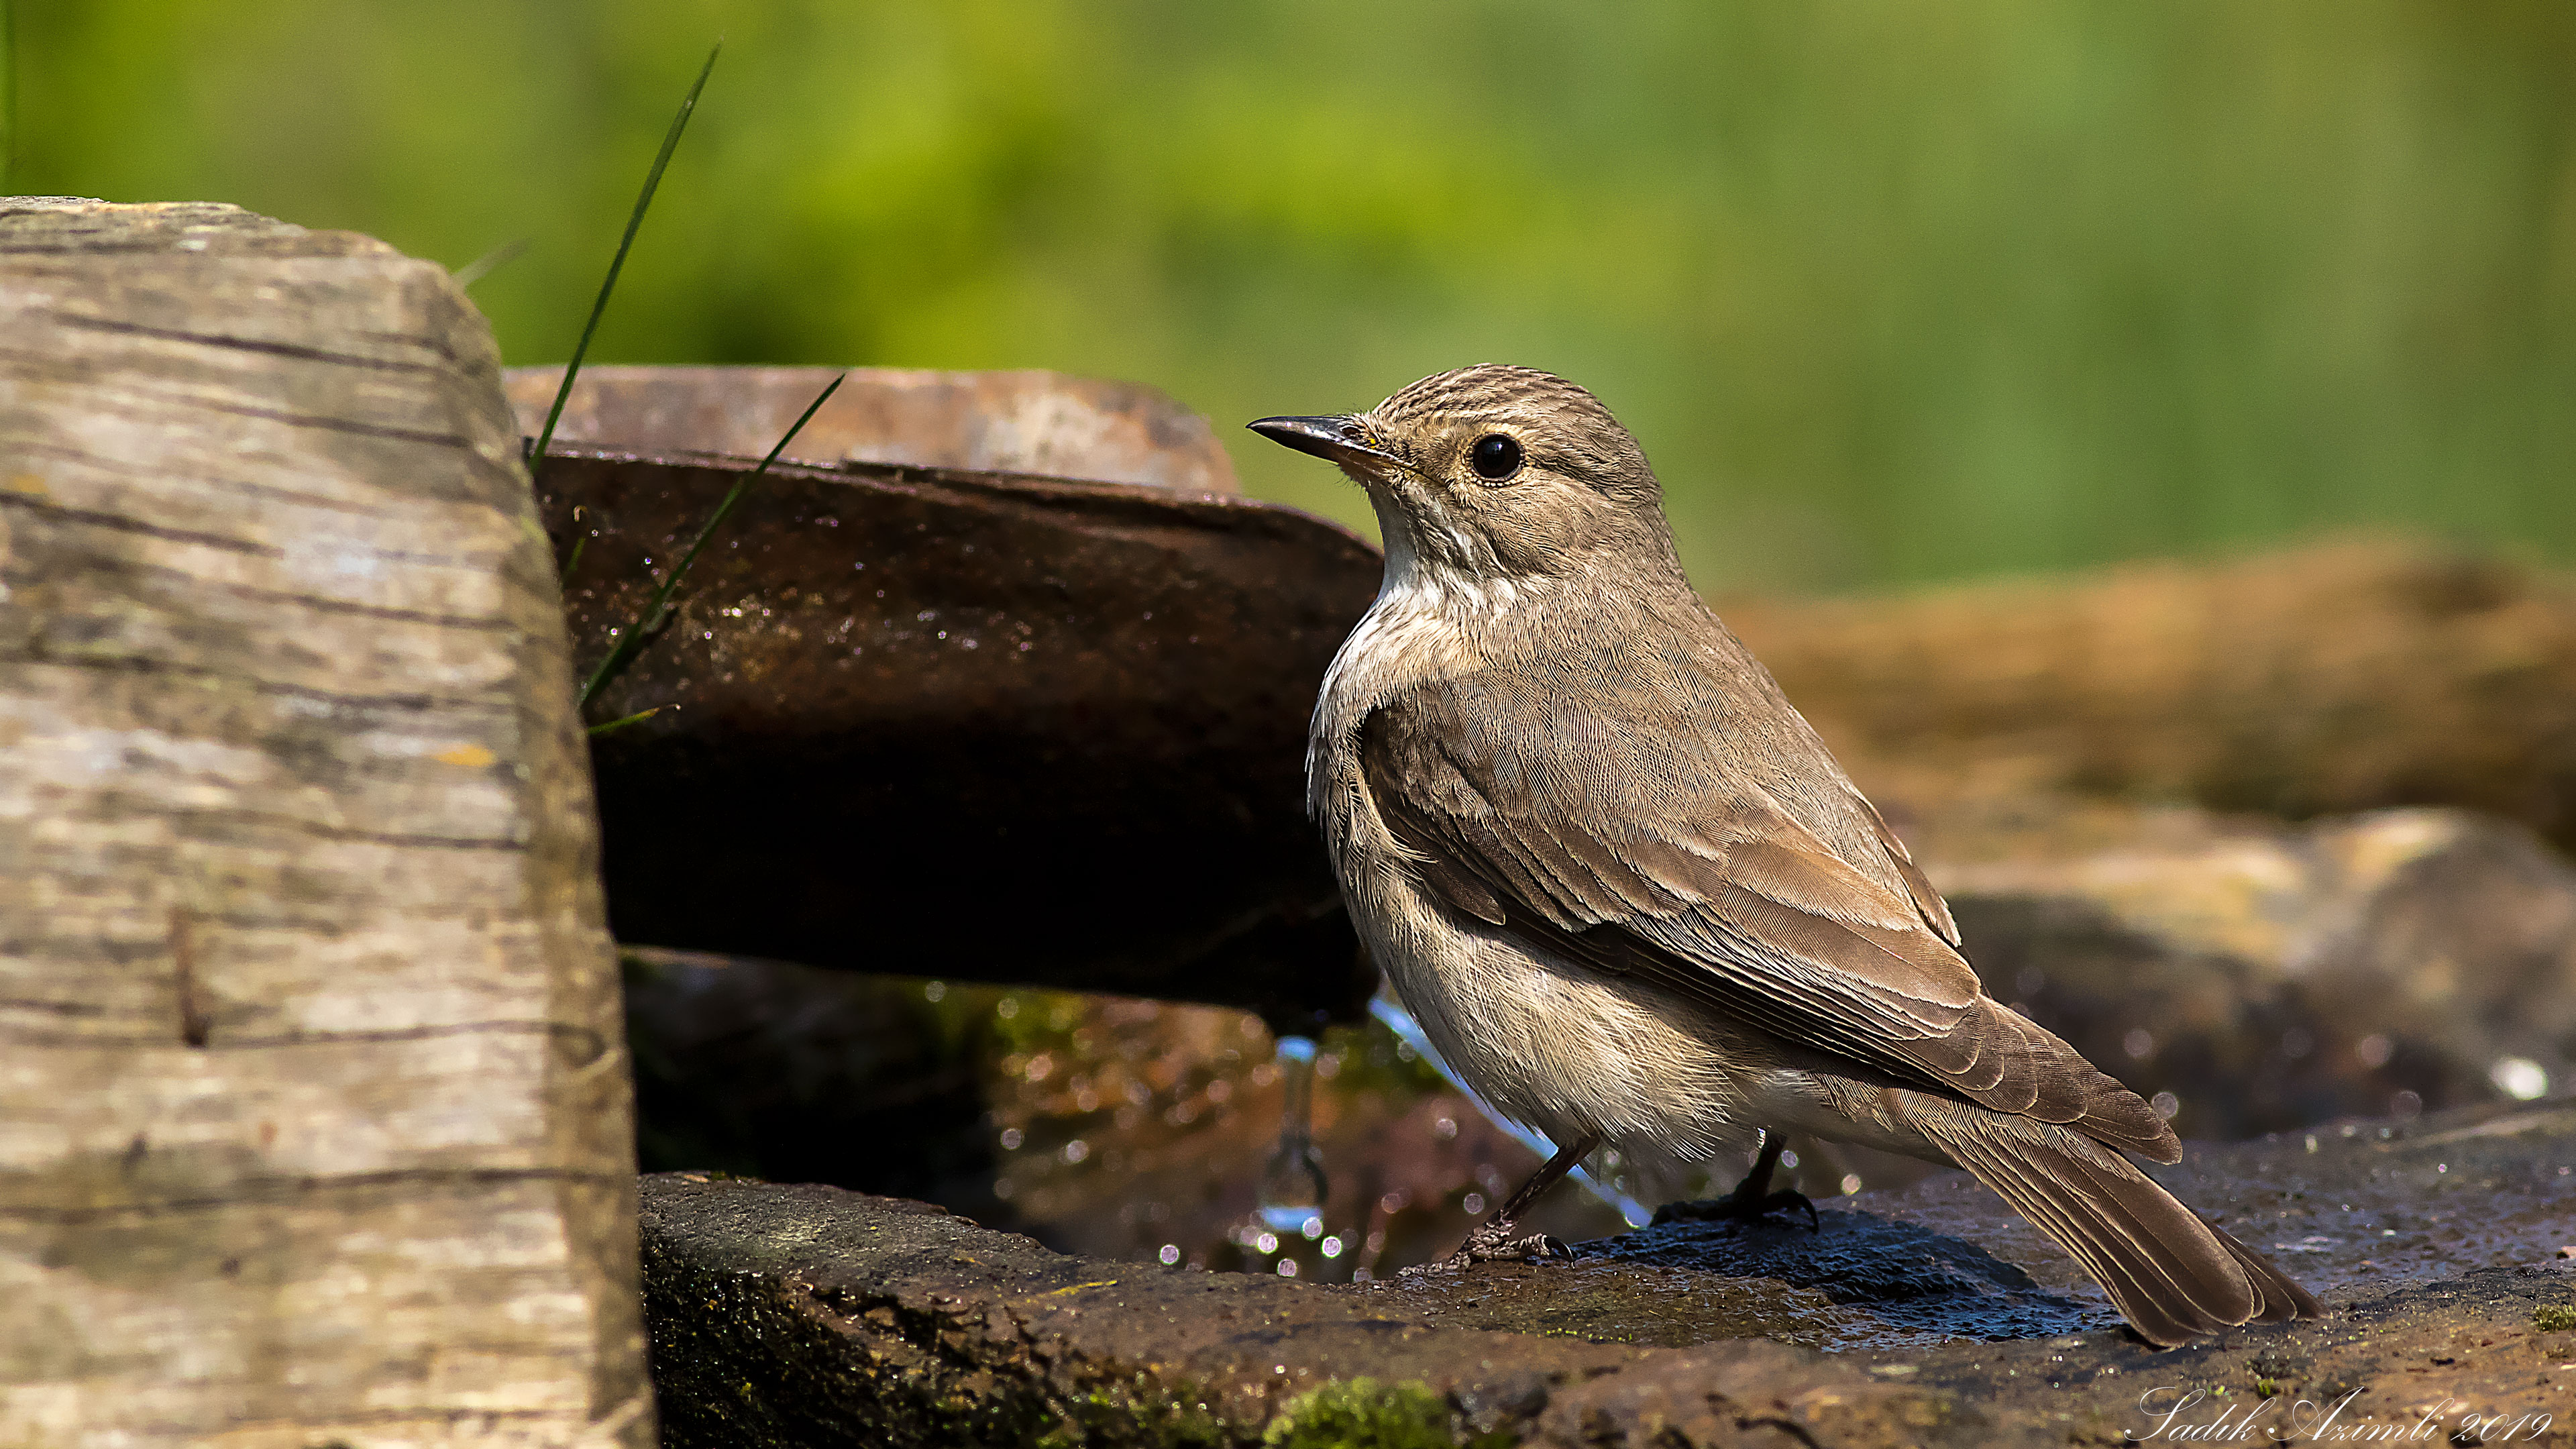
x=314 y=1106
x=1021 y=421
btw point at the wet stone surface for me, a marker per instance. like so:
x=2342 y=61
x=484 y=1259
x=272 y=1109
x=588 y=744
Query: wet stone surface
x=787 y=1314
x=1892 y=1276
x=2265 y=975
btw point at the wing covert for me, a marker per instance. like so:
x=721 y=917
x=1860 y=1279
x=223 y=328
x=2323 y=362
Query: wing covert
x=1634 y=858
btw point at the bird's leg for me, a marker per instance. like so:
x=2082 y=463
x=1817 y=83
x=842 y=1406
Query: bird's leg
x=1494 y=1240
x=1753 y=1199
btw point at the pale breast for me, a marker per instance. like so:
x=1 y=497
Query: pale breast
x=1551 y=1044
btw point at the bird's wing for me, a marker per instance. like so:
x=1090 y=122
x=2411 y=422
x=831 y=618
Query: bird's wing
x=1649 y=850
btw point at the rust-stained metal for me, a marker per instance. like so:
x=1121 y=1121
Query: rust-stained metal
x=1014 y=422
x=969 y=725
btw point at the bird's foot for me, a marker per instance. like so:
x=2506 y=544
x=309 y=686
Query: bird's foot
x=1496 y=1242
x=1741 y=1207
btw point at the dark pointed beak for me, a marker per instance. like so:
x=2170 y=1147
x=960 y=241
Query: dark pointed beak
x=1334 y=439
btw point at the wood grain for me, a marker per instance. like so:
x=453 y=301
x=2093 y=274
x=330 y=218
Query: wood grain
x=314 y=1105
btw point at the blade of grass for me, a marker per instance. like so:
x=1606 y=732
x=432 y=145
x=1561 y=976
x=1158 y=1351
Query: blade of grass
x=651 y=619
x=652 y=179
x=580 y=541
x=638 y=717
x=490 y=262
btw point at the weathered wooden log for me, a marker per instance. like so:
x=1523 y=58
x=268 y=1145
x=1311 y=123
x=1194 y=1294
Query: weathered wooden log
x=1019 y=421
x=314 y=1117
x=2343 y=677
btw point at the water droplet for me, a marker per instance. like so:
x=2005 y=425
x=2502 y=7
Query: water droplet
x=1474 y=1203
x=1265 y=1243
x=1076 y=1150
x=2374 y=1049
x=2166 y=1104
x=1293 y=1189
x=1332 y=1247
x=2520 y=1078
x=935 y=991
x=1170 y=1255
x=1012 y=1137
x=1287 y=1267
x=1851 y=1183
x=2140 y=1043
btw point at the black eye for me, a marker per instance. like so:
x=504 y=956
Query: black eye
x=1495 y=457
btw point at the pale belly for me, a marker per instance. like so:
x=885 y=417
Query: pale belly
x=1557 y=1046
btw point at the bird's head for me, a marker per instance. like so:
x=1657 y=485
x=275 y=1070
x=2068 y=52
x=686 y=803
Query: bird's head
x=1496 y=475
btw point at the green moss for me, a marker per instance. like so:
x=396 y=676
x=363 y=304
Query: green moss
x=1362 y=1414
x=2554 y=1317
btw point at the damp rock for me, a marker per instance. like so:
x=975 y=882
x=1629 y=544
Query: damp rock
x=2254 y=976
x=785 y=1314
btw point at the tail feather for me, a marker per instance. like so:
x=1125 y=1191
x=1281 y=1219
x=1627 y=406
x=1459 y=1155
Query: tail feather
x=2173 y=1276
x=2283 y=1300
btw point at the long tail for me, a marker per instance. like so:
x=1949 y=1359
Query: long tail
x=2174 y=1276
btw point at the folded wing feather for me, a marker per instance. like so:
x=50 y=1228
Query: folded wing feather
x=1643 y=862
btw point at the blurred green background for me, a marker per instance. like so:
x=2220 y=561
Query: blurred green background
x=1890 y=292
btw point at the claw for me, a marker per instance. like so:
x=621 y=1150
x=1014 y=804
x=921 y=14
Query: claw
x=1734 y=1209
x=1495 y=1243
x=1751 y=1201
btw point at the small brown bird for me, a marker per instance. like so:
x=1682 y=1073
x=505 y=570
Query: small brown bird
x=1629 y=894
